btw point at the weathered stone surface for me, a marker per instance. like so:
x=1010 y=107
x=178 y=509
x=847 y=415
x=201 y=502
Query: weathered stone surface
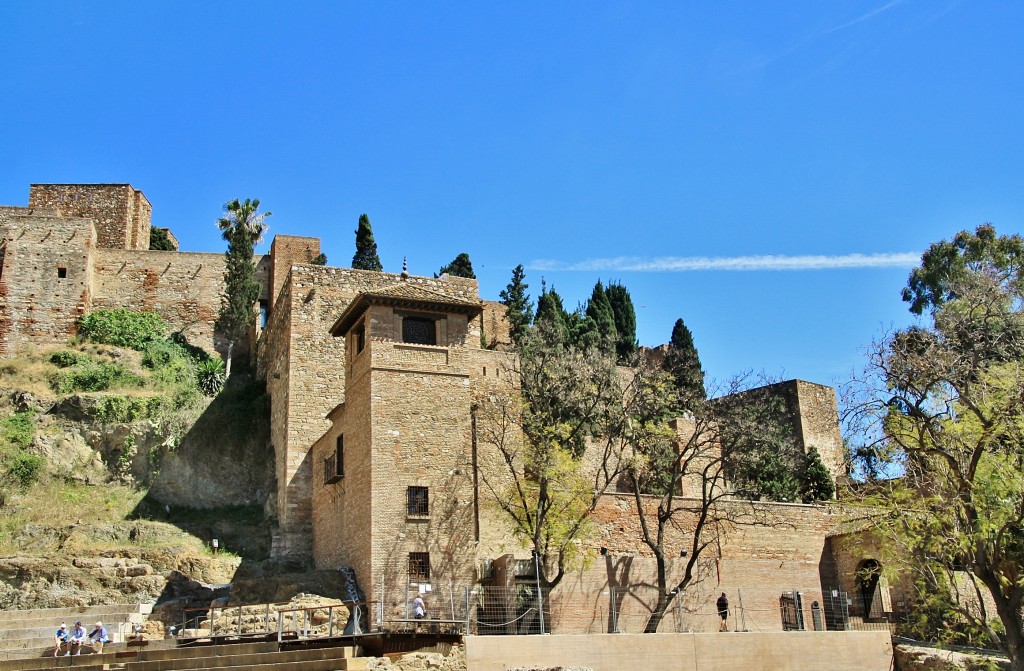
x=920 y=658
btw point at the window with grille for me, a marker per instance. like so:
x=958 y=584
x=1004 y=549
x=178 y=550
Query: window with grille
x=334 y=465
x=419 y=566
x=419 y=330
x=418 y=501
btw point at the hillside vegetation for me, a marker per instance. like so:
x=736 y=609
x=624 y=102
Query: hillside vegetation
x=122 y=455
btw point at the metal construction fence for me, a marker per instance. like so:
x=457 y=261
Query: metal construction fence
x=525 y=609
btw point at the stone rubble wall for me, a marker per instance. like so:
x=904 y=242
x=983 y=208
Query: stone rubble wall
x=46 y=277
x=121 y=213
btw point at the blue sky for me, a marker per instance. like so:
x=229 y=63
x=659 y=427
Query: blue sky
x=766 y=171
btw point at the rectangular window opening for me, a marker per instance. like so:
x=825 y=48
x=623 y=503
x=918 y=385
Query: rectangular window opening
x=418 y=501
x=334 y=465
x=61 y=273
x=359 y=338
x=419 y=566
x=419 y=331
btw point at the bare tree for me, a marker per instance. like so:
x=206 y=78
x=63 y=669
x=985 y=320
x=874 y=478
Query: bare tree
x=546 y=450
x=677 y=474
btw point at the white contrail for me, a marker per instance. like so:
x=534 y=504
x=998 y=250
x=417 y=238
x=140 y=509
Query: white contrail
x=764 y=262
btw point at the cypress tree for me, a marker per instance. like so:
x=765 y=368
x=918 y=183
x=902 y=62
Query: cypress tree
x=625 y=319
x=599 y=309
x=159 y=240
x=683 y=363
x=518 y=308
x=816 y=482
x=366 y=248
x=461 y=266
x=551 y=312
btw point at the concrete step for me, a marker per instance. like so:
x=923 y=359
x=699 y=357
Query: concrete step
x=44 y=649
x=326 y=659
x=40 y=627
x=206 y=651
x=71 y=614
x=51 y=662
x=323 y=665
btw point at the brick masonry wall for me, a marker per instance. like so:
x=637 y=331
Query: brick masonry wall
x=37 y=305
x=121 y=213
x=776 y=548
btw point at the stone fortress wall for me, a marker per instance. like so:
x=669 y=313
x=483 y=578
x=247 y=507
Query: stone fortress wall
x=81 y=247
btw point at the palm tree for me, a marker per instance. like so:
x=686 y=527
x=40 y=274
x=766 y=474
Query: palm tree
x=243 y=227
x=243 y=216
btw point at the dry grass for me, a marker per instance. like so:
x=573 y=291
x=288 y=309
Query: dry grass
x=31 y=371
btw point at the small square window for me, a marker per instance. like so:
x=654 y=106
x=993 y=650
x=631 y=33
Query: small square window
x=418 y=501
x=61 y=273
x=419 y=566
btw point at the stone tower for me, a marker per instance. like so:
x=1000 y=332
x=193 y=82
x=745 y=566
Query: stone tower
x=393 y=494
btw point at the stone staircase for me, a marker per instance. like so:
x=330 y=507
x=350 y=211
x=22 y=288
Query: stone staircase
x=25 y=633
x=161 y=656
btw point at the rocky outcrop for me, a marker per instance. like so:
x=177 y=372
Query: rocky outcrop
x=919 y=658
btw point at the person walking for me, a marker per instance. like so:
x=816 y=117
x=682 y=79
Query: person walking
x=723 y=612
x=419 y=608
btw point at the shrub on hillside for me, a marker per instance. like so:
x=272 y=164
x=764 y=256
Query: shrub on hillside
x=18 y=429
x=122 y=327
x=170 y=362
x=122 y=409
x=26 y=468
x=66 y=359
x=93 y=377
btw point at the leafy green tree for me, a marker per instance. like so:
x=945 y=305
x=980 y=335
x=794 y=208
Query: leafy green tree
x=599 y=309
x=366 y=257
x=536 y=435
x=461 y=266
x=160 y=241
x=683 y=364
x=242 y=226
x=319 y=260
x=947 y=265
x=625 y=319
x=947 y=417
x=518 y=307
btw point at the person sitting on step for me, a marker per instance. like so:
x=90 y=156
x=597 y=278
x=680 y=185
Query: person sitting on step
x=60 y=638
x=99 y=637
x=76 y=640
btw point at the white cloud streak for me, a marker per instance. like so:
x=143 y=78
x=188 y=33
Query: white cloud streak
x=732 y=263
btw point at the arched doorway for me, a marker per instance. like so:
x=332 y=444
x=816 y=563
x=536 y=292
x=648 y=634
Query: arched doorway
x=868 y=575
